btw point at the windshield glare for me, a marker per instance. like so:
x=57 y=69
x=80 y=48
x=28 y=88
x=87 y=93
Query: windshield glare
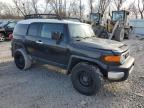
x=118 y=16
x=81 y=31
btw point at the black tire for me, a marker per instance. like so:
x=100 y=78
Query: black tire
x=2 y=37
x=22 y=60
x=104 y=35
x=126 y=36
x=119 y=34
x=90 y=85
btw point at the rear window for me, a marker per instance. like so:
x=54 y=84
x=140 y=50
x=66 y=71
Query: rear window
x=20 y=29
x=33 y=29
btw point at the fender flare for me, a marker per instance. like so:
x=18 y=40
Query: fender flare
x=17 y=45
x=75 y=59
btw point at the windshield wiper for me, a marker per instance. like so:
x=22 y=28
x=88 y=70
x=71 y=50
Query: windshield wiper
x=86 y=37
x=78 y=38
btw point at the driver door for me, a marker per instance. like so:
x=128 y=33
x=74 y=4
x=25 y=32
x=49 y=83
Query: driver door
x=53 y=51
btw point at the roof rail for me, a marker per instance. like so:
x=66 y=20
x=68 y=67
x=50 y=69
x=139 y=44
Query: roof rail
x=43 y=16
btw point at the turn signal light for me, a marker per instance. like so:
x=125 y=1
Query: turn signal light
x=112 y=59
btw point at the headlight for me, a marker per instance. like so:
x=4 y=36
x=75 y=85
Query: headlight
x=112 y=58
x=122 y=59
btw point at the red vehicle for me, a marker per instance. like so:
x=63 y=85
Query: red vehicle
x=6 y=30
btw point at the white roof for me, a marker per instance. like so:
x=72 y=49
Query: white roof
x=29 y=21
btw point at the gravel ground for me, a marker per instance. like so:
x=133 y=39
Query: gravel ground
x=41 y=87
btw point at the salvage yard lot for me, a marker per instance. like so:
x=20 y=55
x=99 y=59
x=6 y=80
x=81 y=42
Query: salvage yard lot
x=41 y=87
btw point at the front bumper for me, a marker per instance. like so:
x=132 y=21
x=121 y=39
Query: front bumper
x=121 y=73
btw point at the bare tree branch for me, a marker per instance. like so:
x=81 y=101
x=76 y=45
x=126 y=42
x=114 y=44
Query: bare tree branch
x=103 y=5
x=141 y=8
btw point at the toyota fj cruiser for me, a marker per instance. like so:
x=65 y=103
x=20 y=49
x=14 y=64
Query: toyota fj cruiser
x=74 y=47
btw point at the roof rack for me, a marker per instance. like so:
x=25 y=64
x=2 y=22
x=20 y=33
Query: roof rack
x=42 y=16
x=50 y=16
x=72 y=19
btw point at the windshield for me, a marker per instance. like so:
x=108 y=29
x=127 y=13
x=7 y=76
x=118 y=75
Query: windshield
x=81 y=31
x=95 y=17
x=118 y=16
x=3 y=23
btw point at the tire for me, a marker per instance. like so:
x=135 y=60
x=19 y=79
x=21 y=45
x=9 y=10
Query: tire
x=104 y=35
x=22 y=60
x=10 y=36
x=92 y=82
x=119 y=34
x=2 y=37
x=126 y=36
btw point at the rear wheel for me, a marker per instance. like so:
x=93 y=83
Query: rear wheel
x=22 y=60
x=2 y=37
x=104 y=34
x=119 y=34
x=86 y=78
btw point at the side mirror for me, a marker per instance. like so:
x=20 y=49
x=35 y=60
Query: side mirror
x=57 y=36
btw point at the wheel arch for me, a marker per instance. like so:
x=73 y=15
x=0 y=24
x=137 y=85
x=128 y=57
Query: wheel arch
x=77 y=59
x=17 y=45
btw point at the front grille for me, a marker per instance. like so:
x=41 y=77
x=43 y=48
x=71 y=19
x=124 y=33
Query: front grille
x=125 y=55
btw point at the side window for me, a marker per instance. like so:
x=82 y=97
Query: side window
x=33 y=29
x=49 y=29
x=20 y=29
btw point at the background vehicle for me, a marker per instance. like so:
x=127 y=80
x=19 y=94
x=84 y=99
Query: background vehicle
x=117 y=27
x=99 y=29
x=74 y=47
x=6 y=30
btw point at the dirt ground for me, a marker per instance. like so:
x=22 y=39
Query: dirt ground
x=40 y=87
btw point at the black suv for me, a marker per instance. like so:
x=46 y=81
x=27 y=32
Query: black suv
x=6 y=30
x=74 y=47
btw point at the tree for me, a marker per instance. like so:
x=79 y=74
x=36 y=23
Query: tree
x=103 y=5
x=141 y=8
x=24 y=7
x=133 y=9
x=118 y=4
x=45 y=8
x=76 y=9
x=34 y=5
x=56 y=6
x=90 y=5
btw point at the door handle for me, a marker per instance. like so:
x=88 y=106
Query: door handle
x=39 y=42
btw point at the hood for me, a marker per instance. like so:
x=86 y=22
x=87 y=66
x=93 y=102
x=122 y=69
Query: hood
x=104 y=44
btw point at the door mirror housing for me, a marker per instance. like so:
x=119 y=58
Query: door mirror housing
x=57 y=36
